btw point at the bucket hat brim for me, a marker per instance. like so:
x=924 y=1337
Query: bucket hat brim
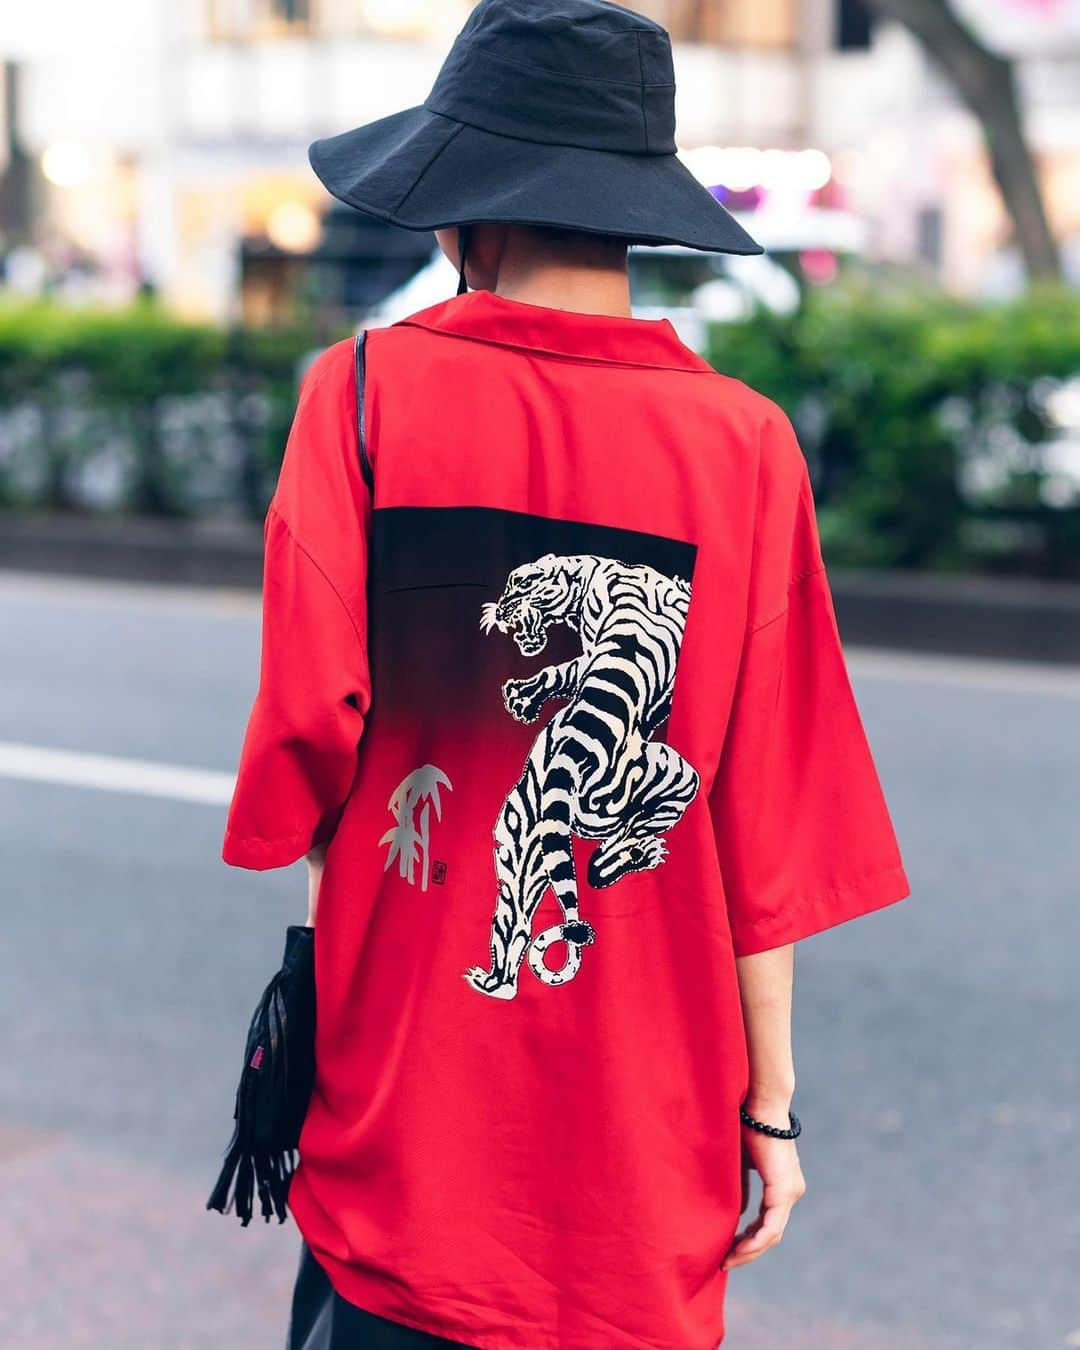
x=424 y=171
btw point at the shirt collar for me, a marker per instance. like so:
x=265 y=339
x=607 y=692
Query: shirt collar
x=487 y=317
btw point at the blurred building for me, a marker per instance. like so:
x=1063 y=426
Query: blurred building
x=165 y=140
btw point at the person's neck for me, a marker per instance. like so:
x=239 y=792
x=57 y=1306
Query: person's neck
x=590 y=283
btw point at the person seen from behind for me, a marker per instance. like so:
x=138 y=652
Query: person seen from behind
x=553 y=702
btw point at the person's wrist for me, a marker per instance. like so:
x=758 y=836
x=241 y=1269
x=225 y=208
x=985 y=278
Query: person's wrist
x=770 y=1105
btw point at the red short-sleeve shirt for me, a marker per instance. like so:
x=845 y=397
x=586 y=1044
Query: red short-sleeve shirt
x=564 y=693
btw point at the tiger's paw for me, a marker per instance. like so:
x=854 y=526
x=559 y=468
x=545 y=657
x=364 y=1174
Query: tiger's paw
x=607 y=865
x=484 y=982
x=523 y=700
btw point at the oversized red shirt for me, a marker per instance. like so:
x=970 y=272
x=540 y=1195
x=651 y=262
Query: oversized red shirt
x=565 y=694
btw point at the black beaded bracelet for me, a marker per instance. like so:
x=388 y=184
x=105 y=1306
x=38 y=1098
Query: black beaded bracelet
x=773 y=1131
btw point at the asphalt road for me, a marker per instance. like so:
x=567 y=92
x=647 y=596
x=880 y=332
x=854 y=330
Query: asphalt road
x=937 y=1046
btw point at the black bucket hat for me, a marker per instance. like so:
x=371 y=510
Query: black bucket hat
x=545 y=112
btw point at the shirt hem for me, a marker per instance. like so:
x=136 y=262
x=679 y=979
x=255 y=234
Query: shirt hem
x=260 y=855
x=838 y=905
x=369 y=1294
x=393 y=1313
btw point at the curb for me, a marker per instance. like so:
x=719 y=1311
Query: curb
x=1000 y=617
x=180 y=553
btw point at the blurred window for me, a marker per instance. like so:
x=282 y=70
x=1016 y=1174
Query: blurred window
x=246 y=19
x=726 y=23
x=432 y=20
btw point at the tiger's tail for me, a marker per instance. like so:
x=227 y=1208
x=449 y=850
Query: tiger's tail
x=558 y=792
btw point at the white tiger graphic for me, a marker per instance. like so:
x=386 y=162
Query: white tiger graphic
x=593 y=770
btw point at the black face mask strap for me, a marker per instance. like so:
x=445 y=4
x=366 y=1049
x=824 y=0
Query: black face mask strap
x=462 y=245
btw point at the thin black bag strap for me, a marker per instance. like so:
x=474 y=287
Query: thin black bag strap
x=361 y=427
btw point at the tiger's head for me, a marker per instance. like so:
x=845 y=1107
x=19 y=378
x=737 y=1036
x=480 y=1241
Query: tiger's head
x=537 y=595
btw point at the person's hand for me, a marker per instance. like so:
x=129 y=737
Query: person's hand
x=776 y=1161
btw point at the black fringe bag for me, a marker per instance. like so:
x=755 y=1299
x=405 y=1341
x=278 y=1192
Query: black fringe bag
x=275 y=1088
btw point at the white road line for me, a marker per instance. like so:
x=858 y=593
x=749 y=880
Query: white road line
x=35 y=588
x=110 y=773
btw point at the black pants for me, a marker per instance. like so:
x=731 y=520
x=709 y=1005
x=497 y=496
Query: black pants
x=322 y=1320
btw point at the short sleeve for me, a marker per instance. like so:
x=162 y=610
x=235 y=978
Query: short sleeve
x=299 y=753
x=803 y=834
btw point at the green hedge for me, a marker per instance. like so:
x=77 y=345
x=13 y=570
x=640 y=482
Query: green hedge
x=939 y=434
x=134 y=410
